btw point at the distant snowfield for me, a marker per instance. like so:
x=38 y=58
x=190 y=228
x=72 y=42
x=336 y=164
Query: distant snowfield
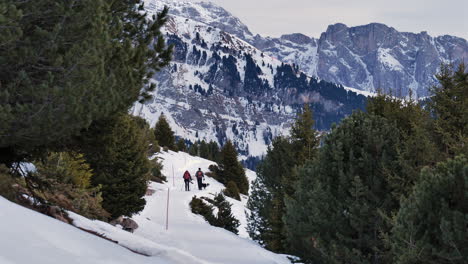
x=29 y=237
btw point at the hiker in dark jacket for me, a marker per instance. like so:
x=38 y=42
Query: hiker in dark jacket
x=187 y=179
x=199 y=174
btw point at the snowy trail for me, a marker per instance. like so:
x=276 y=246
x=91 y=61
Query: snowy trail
x=30 y=237
x=189 y=232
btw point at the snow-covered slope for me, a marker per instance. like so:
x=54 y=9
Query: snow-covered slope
x=29 y=237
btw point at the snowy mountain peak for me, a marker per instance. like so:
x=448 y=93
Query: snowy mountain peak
x=204 y=12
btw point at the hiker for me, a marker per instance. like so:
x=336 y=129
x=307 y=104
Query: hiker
x=187 y=179
x=199 y=174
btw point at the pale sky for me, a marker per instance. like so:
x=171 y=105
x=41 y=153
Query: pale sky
x=311 y=17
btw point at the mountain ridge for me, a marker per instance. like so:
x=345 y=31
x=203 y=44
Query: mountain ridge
x=409 y=63
x=219 y=87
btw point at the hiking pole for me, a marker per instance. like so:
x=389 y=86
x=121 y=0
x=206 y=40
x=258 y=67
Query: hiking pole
x=167 y=210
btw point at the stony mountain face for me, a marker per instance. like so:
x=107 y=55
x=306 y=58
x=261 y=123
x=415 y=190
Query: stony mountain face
x=369 y=58
x=220 y=87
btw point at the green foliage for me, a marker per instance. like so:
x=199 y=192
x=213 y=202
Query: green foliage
x=231 y=169
x=86 y=202
x=204 y=150
x=275 y=180
x=68 y=64
x=224 y=217
x=417 y=148
x=63 y=179
x=194 y=149
x=209 y=151
x=339 y=208
x=258 y=221
x=214 y=152
x=181 y=146
x=432 y=224
x=339 y=205
x=214 y=172
x=148 y=132
x=116 y=149
x=155 y=171
x=201 y=208
x=232 y=190
x=449 y=105
x=277 y=174
x=68 y=168
x=7 y=183
x=164 y=134
x=51 y=69
x=304 y=136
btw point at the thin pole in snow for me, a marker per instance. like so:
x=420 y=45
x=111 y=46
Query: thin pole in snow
x=167 y=210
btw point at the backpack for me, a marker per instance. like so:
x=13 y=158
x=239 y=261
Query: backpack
x=199 y=174
x=186 y=175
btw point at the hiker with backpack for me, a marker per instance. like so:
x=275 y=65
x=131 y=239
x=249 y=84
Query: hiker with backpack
x=187 y=179
x=199 y=174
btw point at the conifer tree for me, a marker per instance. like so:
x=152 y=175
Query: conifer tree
x=337 y=213
x=277 y=174
x=204 y=150
x=274 y=176
x=432 y=224
x=194 y=149
x=214 y=152
x=449 y=105
x=231 y=169
x=67 y=64
x=259 y=205
x=224 y=217
x=304 y=136
x=148 y=132
x=163 y=133
x=232 y=190
x=181 y=145
x=417 y=148
x=116 y=149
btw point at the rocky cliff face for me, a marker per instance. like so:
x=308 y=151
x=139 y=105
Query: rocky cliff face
x=369 y=58
x=376 y=56
x=220 y=87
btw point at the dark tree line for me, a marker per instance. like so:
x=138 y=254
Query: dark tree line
x=386 y=186
x=69 y=73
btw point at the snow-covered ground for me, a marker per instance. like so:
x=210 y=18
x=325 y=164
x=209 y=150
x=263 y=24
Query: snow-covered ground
x=189 y=232
x=29 y=237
